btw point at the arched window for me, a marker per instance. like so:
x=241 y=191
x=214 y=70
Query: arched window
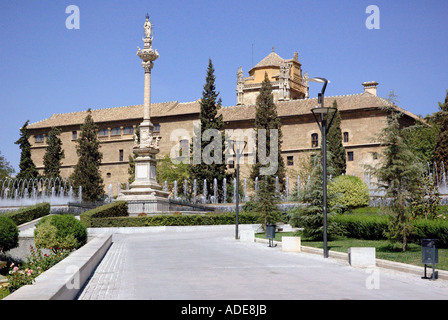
x=115 y=132
x=103 y=133
x=128 y=130
x=314 y=140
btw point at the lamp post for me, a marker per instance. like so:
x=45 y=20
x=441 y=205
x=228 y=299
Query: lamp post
x=324 y=118
x=238 y=147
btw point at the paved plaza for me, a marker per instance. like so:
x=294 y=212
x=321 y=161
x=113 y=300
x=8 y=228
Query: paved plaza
x=212 y=265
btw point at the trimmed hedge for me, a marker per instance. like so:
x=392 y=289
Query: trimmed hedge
x=175 y=220
x=372 y=227
x=362 y=226
x=27 y=214
x=431 y=229
x=114 y=209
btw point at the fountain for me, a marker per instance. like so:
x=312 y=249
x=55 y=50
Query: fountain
x=224 y=190
x=185 y=189
x=27 y=192
x=195 y=190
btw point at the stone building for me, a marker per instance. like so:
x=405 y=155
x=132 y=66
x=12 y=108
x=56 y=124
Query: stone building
x=362 y=119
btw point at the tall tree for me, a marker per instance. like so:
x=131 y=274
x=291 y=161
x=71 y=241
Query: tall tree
x=335 y=147
x=311 y=216
x=54 y=154
x=27 y=167
x=399 y=175
x=441 y=119
x=266 y=118
x=87 y=173
x=208 y=150
x=6 y=170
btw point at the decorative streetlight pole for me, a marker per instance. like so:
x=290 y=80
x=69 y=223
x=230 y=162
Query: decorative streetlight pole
x=324 y=118
x=238 y=147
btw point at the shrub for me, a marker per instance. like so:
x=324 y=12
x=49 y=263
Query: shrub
x=37 y=263
x=114 y=209
x=9 y=234
x=349 y=191
x=431 y=229
x=27 y=214
x=362 y=226
x=176 y=220
x=60 y=232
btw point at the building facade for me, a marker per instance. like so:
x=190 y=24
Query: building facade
x=362 y=118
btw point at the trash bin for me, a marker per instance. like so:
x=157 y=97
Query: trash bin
x=270 y=233
x=430 y=255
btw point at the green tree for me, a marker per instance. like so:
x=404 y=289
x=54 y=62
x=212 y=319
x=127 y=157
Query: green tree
x=399 y=175
x=310 y=216
x=422 y=139
x=6 y=170
x=334 y=143
x=27 y=167
x=266 y=200
x=212 y=147
x=87 y=173
x=441 y=119
x=170 y=172
x=266 y=118
x=53 y=155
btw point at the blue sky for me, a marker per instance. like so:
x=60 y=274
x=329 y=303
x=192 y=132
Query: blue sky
x=46 y=68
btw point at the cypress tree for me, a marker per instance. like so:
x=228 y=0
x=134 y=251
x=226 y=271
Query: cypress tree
x=335 y=147
x=266 y=117
x=214 y=147
x=399 y=176
x=53 y=155
x=27 y=167
x=441 y=119
x=87 y=173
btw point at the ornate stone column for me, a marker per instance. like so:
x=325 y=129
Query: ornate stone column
x=145 y=186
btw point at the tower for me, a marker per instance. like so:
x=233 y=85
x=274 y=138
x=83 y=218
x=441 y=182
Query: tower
x=288 y=82
x=145 y=190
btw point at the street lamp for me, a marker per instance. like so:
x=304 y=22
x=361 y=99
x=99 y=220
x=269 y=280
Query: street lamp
x=238 y=147
x=324 y=118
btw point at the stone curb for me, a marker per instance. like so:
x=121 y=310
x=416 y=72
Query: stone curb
x=380 y=263
x=65 y=280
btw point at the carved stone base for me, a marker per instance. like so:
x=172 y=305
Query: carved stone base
x=145 y=187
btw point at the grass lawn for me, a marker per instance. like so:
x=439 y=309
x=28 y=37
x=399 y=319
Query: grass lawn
x=384 y=249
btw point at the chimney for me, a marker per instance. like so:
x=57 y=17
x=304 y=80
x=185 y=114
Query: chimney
x=370 y=87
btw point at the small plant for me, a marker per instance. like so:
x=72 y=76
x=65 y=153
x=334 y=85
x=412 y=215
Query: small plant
x=60 y=232
x=9 y=234
x=142 y=214
x=37 y=263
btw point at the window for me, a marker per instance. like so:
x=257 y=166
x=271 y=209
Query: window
x=128 y=130
x=374 y=155
x=156 y=127
x=121 y=155
x=115 y=132
x=184 y=145
x=350 y=156
x=346 y=137
x=74 y=135
x=231 y=164
x=39 y=138
x=290 y=160
x=103 y=133
x=314 y=140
